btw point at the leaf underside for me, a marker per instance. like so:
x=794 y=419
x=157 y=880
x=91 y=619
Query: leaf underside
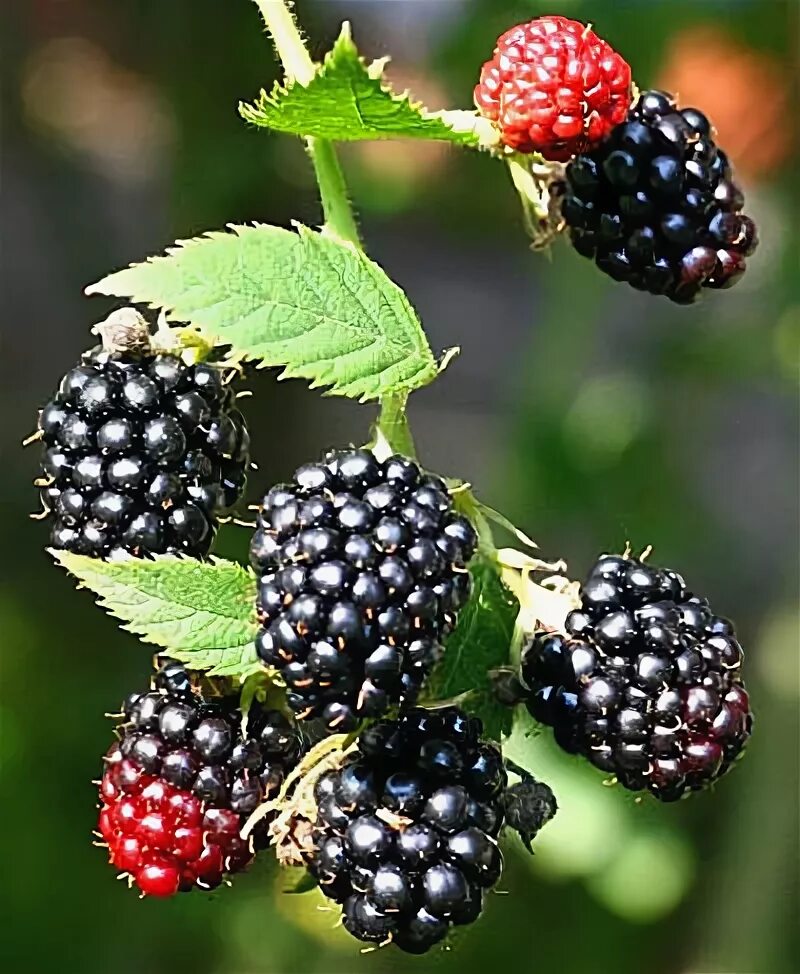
x=480 y=643
x=304 y=301
x=202 y=613
x=347 y=101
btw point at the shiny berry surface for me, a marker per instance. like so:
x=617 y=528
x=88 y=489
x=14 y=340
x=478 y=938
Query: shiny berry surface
x=655 y=204
x=142 y=454
x=180 y=782
x=554 y=87
x=655 y=676
x=405 y=837
x=362 y=568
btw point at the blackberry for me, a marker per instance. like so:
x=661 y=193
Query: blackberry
x=142 y=453
x=645 y=683
x=181 y=781
x=361 y=571
x=406 y=832
x=656 y=204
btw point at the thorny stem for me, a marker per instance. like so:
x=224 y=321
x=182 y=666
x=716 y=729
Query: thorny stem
x=392 y=425
x=299 y=67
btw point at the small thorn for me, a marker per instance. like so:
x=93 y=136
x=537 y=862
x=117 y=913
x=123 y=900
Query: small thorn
x=32 y=438
x=100 y=845
x=44 y=482
x=253 y=466
x=244 y=394
x=40 y=515
x=243 y=524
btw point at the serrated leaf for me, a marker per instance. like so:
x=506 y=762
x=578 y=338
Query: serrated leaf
x=305 y=301
x=480 y=643
x=347 y=100
x=202 y=613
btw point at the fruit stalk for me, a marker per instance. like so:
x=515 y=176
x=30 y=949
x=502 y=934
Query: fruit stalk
x=297 y=63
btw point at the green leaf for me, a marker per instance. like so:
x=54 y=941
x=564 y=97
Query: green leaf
x=298 y=880
x=305 y=301
x=480 y=643
x=202 y=613
x=347 y=100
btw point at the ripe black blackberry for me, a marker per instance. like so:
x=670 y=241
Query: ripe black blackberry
x=405 y=837
x=362 y=569
x=141 y=454
x=646 y=684
x=181 y=781
x=656 y=204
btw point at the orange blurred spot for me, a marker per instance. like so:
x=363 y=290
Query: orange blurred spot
x=745 y=93
x=72 y=90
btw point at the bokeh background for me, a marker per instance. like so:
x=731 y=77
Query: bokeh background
x=589 y=413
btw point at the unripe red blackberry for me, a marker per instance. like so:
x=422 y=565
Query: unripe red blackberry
x=656 y=204
x=142 y=453
x=361 y=569
x=646 y=683
x=181 y=780
x=554 y=87
x=405 y=837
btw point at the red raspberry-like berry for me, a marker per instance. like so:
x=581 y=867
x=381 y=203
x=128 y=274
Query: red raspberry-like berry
x=554 y=87
x=161 y=835
x=181 y=782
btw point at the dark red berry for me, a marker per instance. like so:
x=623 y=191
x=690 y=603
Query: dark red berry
x=653 y=692
x=170 y=819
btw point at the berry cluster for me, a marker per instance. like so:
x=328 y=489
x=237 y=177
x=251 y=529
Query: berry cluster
x=142 y=453
x=656 y=205
x=182 y=779
x=646 y=684
x=406 y=829
x=362 y=569
x=554 y=87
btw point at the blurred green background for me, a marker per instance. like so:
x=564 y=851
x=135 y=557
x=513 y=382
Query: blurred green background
x=589 y=413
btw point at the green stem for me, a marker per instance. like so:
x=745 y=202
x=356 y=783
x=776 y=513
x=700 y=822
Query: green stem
x=299 y=67
x=336 y=206
x=393 y=424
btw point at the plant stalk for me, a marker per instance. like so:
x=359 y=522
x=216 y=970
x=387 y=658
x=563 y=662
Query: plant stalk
x=394 y=426
x=298 y=66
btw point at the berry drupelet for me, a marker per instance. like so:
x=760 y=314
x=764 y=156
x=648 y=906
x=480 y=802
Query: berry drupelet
x=142 y=453
x=405 y=838
x=181 y=781
x=361 y=569
x=554 y=87
x=656 y=204
x=646 y=684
